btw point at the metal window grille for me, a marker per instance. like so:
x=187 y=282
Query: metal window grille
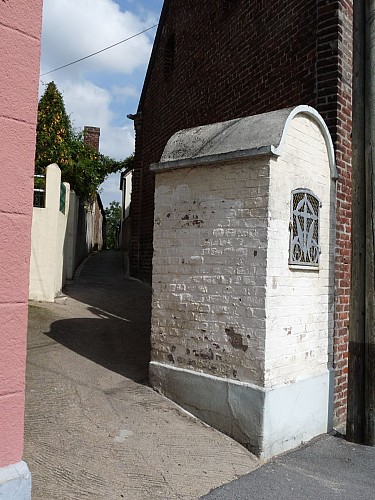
x=62 y=197
x=304 y=229
x=39 y=191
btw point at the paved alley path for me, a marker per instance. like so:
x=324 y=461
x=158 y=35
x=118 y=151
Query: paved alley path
x=94 y=429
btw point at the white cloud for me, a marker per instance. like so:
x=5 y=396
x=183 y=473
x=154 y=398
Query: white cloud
x=72 y=30
x=118 y=142
x=124 y=91
x=89 y=102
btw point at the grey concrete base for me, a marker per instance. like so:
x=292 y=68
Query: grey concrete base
x=15 y=482
x=267 y=421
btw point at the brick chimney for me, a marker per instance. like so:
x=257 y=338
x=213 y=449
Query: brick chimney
x=91 y=136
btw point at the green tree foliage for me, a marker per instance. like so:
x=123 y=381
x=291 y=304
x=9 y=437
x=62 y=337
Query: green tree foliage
x=54 y=132
x=113 y=220
x=57 y=142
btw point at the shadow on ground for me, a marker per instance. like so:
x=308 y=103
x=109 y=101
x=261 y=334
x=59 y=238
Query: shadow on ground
x=92 y=430
x=116 y=331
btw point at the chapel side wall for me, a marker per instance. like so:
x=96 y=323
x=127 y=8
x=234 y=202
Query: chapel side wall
x=209 y=269
x=299 y=302
x=20 y=29
x=235 y=67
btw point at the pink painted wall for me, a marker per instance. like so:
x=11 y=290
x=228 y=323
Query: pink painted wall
x=20 y=28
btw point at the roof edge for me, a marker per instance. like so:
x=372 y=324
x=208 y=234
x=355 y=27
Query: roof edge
x=155 y=46
x=313 y=114
x=275 y=149
x=212 y=159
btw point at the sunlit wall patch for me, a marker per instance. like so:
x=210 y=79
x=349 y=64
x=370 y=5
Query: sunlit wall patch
x=304 y=249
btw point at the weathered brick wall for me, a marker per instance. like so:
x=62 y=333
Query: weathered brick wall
x=243 y=60
x=209 y=270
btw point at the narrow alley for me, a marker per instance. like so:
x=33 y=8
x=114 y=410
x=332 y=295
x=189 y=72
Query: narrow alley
x=94 y=428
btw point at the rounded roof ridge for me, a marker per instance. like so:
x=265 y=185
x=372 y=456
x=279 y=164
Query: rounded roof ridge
x=256 y=135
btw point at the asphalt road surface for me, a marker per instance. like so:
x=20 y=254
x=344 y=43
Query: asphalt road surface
x=327 y=468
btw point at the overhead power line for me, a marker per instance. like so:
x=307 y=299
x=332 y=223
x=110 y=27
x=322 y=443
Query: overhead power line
x=99 y=51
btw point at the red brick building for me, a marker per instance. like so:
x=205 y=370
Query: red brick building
x=224 y=59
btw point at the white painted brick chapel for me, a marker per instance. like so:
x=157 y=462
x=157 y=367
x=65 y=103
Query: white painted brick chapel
x=243 y=277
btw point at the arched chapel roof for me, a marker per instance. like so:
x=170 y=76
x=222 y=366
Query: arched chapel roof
x=256 y=135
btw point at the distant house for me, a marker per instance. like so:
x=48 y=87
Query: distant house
x=126 y=190
x=91 y=216
x=225 y=59
x=99 y=223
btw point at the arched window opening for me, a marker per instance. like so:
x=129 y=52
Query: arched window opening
x=304 y=249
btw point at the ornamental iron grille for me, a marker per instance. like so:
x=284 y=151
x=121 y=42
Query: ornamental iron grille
x=304 y=229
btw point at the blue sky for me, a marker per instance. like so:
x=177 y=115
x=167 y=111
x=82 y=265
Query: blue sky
x=103 y=89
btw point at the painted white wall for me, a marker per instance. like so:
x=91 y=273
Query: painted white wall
x=126 y=195
x=89 y=228
x=299 y=302
x=124 y=234
x=47 y=241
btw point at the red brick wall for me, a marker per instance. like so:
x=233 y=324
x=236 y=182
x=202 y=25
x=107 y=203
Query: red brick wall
x=343 y=147
x=240 y=58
